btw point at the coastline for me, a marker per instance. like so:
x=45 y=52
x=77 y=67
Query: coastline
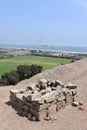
x=16 y=51
x=63 y=49
x=66 y=49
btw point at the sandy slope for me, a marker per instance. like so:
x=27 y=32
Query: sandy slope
x=67 y=119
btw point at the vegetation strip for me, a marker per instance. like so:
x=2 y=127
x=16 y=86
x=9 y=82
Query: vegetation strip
x=9 y=64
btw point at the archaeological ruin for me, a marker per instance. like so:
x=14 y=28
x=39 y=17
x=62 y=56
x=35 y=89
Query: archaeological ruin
x=41 y=100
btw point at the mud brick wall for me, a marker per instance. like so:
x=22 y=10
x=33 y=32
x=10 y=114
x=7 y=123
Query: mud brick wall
x=43 y=99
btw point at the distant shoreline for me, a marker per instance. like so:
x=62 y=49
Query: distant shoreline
x=16 y=51
x=46 y=49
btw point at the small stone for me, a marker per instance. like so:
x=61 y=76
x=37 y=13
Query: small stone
x=43 y=86
x=68 y=99
x=53 y=118
x=49 y=97
x=71 y=86
x=26 y=108
x=74 y=92
x=64 y=91
x=34 y=118
x=61 y=98
x=48 y=90
x=20 y=112
x=39 y=101
x=29 y=116
x=54 y=88
x=75 y=104
x=57 y=82
x=81 y=108
x=52 y=83
x=25 y=113
x=74 y=98
x=58 y=106
x=33 y=97
x=81 y=103
x=22 y=90
x=47 y=118
x=42 y=81
x=38 y=86
x=15 y=91
x=43 y=92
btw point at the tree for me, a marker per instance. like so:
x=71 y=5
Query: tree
x=26 y=71
x=35 y=69
x=11 y=78
x=23 y=71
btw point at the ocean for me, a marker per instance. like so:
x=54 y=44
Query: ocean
x=62 y=48
x=50 y=48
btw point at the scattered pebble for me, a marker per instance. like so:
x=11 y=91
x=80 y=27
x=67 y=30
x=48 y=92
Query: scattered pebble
x=75 y=104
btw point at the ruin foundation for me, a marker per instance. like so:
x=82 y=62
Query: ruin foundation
x=43 y=99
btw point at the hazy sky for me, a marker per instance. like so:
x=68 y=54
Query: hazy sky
x=59 y=22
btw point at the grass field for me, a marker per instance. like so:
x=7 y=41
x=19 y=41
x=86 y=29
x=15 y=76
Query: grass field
x=9 y=64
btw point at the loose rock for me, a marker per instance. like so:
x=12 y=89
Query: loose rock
x=75 y=104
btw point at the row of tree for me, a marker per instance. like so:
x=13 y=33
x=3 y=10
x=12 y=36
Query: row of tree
x=22 y=72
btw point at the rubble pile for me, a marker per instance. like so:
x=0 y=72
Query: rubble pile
x=43 y=99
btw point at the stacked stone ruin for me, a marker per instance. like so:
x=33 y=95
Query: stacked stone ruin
x=43 y=99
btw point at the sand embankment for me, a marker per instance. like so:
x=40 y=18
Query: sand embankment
x=67 y=119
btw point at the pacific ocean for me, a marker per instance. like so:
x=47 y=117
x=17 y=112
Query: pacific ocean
x=78 y=49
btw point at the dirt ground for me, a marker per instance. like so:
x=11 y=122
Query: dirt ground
x=70 y=118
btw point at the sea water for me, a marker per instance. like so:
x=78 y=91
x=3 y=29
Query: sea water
x=62 y=48
x=54 y=47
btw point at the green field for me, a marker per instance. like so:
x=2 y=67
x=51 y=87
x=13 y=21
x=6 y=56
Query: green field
x=9 y=64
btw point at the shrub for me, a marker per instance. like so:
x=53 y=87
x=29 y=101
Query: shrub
x=72 y=61
x=23 y=72
x=4 y=82
x=11 y=78
x=35 y=69
x=26 y=71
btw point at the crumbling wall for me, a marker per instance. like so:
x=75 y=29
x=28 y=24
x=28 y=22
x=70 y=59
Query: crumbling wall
x=43 y=99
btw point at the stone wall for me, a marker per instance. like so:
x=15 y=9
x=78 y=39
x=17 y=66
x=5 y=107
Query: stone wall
x=43 y=99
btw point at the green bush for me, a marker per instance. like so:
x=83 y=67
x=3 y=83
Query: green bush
x=12 y=78
x=34 y=69
x=26 y=71
x=4 y=82
x=23 y=72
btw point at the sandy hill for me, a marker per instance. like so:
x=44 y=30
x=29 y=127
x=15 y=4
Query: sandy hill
x=67 y=119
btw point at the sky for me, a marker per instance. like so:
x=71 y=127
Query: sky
x=35 y=22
